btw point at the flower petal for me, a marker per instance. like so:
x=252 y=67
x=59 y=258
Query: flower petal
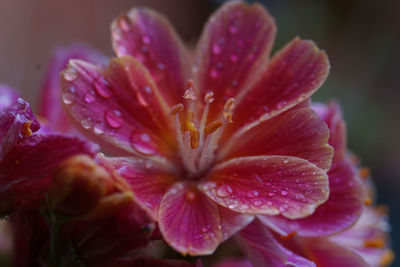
x=148 y=181
x=262 y=249
x=231 y=222
x=297 y=132
x=117 y=107
x=369 y=237
x=339 y=212
x=292 y=76
x=332 y=115
x=189 y=220
x=149 y=37
x=16 y=123
x=50 y=105
x=235 y=43
x=268 y=185
x=25 y=171
x=8 y=96
x=329 y=254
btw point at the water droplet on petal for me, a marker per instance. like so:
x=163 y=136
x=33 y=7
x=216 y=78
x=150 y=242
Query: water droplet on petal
x=216 y=49
x=284 y=192
x=160 y=66
x=233 y=29
x=103 y=87
x=214 y=73
x=87 y=123
x=90 y=97
x=224 y=191
x=114 y=118
x=148 y=89
x=271 y=194
x=233 y=57
x=190 y=196
x=142 y=143
x=99 y=128
x=252 y=194
x=146 y=39
x=68 y=98
x=70 y=75
x=257 y=203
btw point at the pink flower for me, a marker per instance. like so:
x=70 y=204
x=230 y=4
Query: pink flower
x=335 y=234
x=207 y=142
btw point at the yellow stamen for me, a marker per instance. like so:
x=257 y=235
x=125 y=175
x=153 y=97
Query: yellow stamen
x=178 y=108
x=212 y=127
x=374 y=243
x=194 y=138
x=26 y=129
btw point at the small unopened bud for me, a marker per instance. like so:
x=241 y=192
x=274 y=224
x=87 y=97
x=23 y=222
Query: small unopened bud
x=82 y=188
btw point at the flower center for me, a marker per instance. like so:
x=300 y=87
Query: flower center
x=198 y=140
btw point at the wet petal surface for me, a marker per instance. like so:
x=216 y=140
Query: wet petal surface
x=189 y=220
x=297 y=132
x=268 y=185
x=97 y=100
x=235 y=44
x=149 y=37
x=340 y=211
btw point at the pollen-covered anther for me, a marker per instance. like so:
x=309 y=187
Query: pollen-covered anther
x=228 y=109
x=178 y=108
x=189 y=93
x=26 y=129
x=209 y=97
x=375 y=243
x=194 y=138
x=212 y=127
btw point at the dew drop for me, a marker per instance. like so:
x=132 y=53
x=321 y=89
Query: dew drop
x=252 y=194
x=214 y=73
x=142 y=143
x=216 y=49
x=257 y=203
x=68 y=98
x=161 y=66
x=190 y=196
x=284 y=192
x=103 y=87
x=87 y=123
x=114 y=118
x=99 y=128
x=70 y=75
x=224 y=191
x=271 y=194
x=146 y=39
x=206 y=229
x=233 y=29
x=90 y=97
x=148 y=89
x=233 y=57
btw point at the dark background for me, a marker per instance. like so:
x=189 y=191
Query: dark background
x=361 y=37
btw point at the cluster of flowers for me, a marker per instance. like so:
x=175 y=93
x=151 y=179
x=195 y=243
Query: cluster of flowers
x=219 y=144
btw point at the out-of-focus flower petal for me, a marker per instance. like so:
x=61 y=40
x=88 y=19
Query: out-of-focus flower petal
x=332 y=115
x=292 y=76
x=268 y=185
x=298 y=133
x=235 y=44
x=328 y=254
x=341 y=210
x=369 y=237
x=50 y=104
x=26 y=170
x=146 y=261
x=97 y=99
x=148 y=181
x=149 y=37
x=262 y=249
x=189 y=220
x=8 y=96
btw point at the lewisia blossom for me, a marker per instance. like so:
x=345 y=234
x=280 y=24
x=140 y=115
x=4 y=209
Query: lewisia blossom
x=210 y=141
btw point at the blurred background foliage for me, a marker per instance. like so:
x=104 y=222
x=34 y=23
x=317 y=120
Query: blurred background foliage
x=361 y=38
